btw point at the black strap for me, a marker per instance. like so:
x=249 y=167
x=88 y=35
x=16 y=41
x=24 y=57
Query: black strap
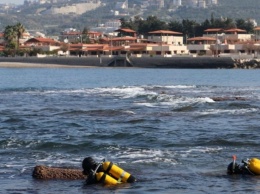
x=109 y=167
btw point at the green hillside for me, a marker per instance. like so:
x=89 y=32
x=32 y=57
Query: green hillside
x=53 y=24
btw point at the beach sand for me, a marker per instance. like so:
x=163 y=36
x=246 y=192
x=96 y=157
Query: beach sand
x=38 y=65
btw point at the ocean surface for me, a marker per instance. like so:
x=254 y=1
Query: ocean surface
x=161 y=125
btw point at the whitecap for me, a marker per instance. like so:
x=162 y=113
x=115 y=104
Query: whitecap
x=180 y=86
x=228 y=111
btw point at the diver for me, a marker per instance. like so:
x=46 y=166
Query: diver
x=248 y=167
x=105 y=172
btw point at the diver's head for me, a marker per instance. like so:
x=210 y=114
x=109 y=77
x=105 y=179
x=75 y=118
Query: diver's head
x=234 y=168
x=88 y=165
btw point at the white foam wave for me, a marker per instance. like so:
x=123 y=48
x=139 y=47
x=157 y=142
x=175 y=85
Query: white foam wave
x=145 y=156
x=180 y=86
x=233 y=112
x=197 y=150
x=162 y=156
x=165 y=101
x=126 y=92
x=129 y=112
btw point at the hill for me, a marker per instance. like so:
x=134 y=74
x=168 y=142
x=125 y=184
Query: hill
x=33 y=16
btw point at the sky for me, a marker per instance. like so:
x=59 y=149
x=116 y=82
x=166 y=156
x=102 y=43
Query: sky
x=12 y=1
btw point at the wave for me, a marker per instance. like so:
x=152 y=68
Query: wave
x=227 y=111
x=173 y=101
x=97 y=112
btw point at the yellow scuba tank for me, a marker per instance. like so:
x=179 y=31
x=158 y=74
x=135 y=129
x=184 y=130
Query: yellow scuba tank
x=105 y=179
x=254 y=165
x=118 y=173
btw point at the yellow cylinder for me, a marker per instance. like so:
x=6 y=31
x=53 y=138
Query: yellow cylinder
x=254 y=166
x=105 y=179
x=118 y=173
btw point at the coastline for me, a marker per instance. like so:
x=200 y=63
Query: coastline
x=180 y=62
x=37 y=65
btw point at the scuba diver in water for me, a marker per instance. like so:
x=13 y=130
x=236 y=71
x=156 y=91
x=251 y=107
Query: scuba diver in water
x=105 y=172
x=248 y=167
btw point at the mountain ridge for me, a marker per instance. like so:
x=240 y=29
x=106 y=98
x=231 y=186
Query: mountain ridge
x=32 y=18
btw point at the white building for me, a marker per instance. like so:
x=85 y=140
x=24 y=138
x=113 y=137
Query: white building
x=161 y=3
x=166 y=37
x=201 y=3
x=192 y=3
x=177 y=3
x=214 y=2
x=122 y=5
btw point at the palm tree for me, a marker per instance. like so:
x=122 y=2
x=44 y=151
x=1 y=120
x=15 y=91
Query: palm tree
x=19 y=28
x=10 y=35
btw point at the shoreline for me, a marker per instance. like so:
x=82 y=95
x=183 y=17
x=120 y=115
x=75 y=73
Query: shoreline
x=38 y=65
x=132 y=62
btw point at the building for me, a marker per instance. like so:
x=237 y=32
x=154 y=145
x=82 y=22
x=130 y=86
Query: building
x=166 y=37
x=177 y=3
x=202 y=3
x=192 y=3
x=70 y=35
x=122 y=5
x=45 y=44
x=161 y=3
x=213 y=2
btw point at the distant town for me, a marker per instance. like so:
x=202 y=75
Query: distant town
x=216 y=42
x=121 y=7
x=133 y=36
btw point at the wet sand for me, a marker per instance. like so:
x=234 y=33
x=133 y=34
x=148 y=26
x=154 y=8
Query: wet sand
x=37 y=65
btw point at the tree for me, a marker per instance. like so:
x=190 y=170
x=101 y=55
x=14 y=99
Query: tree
x=13 y=34
x=85 y=36
x=10 y=36
x=152 y=23
x=245 y=25
x=175 y=26
x=19 y=29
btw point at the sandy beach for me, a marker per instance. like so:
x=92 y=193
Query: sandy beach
x=37 y=65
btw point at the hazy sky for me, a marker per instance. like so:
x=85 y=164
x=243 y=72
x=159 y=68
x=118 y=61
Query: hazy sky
x=12 y=1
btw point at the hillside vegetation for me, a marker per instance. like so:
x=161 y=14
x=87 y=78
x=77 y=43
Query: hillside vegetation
x=32 y=18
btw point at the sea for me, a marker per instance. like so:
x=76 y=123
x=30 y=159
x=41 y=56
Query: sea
x=163 y=126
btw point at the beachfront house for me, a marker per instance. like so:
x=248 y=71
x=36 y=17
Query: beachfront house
x=166 y=37
x=216 y=41
x=45 y=44
x=201 y=45
x=70 y=36
x=257 y=33
x=167 y=42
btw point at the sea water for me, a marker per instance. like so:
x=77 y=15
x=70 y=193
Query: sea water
x=161 y=125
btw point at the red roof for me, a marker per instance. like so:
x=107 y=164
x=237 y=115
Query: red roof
x=113 y=48
x=40 y=39
x=1 y=34
x=93 y=32
x=257 y=28
x=142 y=44
x=125 y=38
x=164 y=32
x=202 y=39
x=235 y=30
x=125 y=30
x=213 y=30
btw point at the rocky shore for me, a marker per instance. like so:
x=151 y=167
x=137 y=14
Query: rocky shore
x=141 y=62
x=247 y=63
